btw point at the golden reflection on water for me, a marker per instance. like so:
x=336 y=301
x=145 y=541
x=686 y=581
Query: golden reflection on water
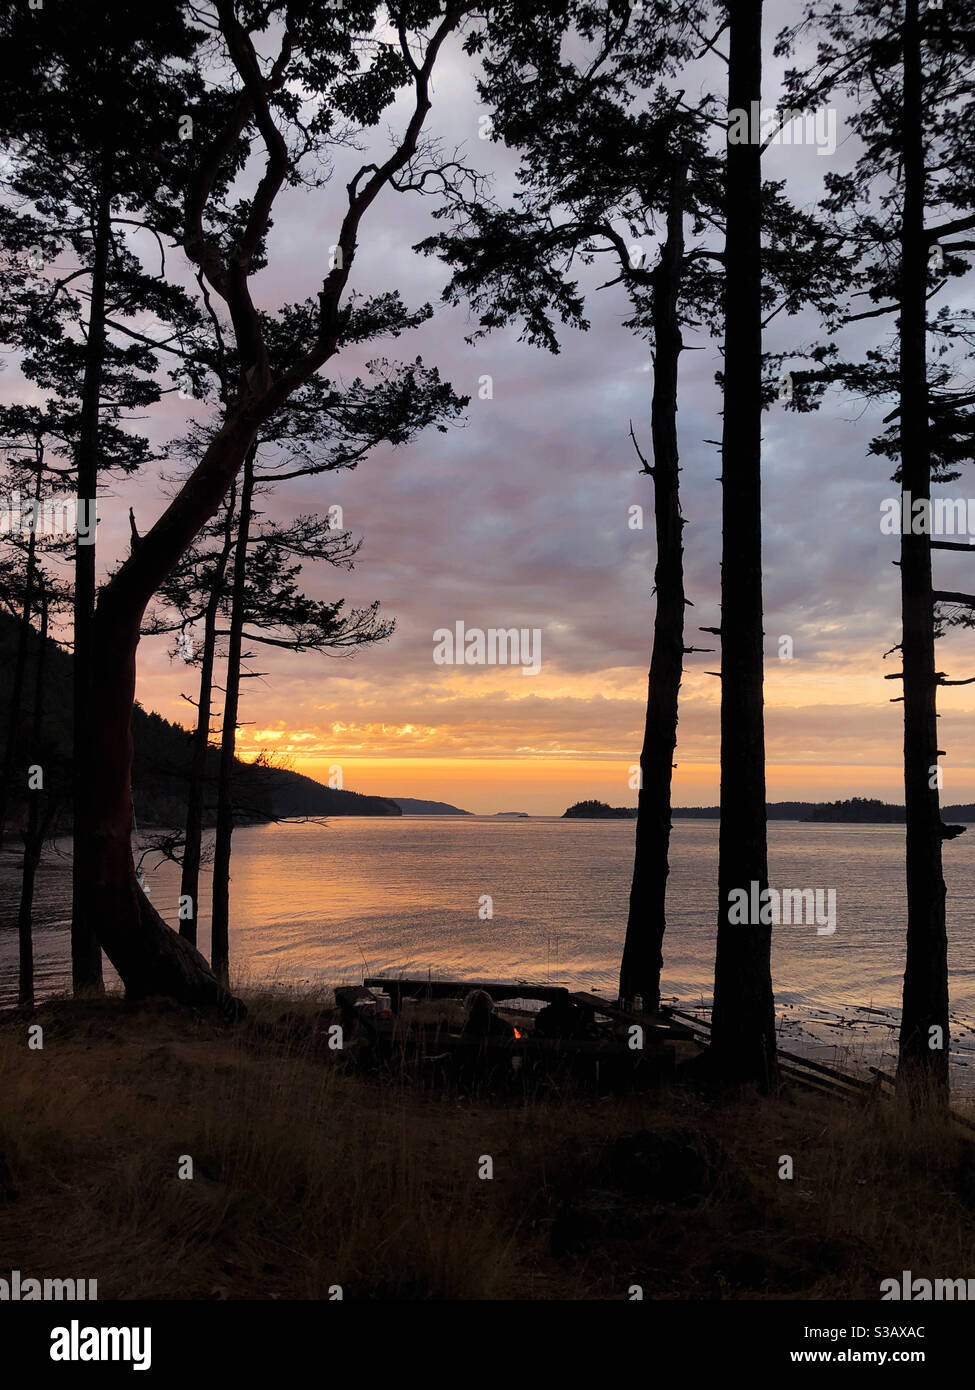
x=325 y=904
x=396 y=895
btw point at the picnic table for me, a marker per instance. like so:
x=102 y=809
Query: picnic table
x=399 y=989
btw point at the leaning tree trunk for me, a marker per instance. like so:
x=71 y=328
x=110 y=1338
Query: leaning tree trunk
x=20 y=668
x=192 y=853
x=149 y=956
x=36 y=824
x=924 y=1038
x=646 y=922
x=220 y=910
x=86 y=961
x=743 y=1019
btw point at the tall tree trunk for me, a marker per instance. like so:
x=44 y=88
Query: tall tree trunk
x=86 y=961
x=646 y=922
x=36 y=825
x=192 y=852
x=20 y=667
x=149 y=956
x=923 y=1060
x=743 y=1020
x=220 y=910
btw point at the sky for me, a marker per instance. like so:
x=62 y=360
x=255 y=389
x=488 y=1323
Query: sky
x=521 y=517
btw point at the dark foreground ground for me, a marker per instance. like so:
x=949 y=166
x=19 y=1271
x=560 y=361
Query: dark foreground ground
x=306 y=1176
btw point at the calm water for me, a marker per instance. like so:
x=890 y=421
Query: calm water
x=313 y=904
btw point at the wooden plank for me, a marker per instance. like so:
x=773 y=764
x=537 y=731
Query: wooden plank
x=668 y=1011
x=821 y=1086
x=815 y=1079
x=698 y=1028
x=858 y=1082
x=650 y=1023
x=456 y=989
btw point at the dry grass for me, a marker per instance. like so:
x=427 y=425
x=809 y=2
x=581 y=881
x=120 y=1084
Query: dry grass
x=306 y=1176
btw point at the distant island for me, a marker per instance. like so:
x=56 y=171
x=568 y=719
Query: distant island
x=511 y=815
x=598 y=810
x=860 y=808
x=856 y=810
x=414 y=806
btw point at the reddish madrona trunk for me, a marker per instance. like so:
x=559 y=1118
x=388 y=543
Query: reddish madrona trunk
x=149 y=955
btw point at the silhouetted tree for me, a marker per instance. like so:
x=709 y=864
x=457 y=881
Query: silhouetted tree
x=904 y=206
x=743 y=1017
x=348 y=72
x=88 y=93
x=604 y=143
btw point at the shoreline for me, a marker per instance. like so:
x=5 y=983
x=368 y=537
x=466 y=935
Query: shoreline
x=853 y=1038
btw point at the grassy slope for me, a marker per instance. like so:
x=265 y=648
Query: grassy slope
x=306 y=1176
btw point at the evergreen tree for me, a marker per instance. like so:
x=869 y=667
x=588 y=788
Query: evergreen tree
x=88 y=92
x=247 y=116
x=612 y=159
x=905 y=207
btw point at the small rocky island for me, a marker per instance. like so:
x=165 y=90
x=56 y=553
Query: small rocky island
x=598 y=810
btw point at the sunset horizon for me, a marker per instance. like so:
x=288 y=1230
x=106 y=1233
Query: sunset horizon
x=487 y=599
